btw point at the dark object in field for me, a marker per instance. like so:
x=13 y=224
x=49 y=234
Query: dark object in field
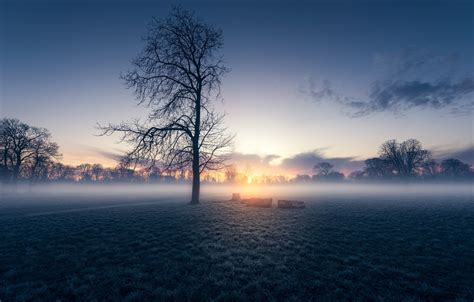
x=235 y=197
x=291 y=204
x=258 y=202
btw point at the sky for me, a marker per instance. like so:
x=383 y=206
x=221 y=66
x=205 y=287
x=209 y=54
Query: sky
x=309 y=80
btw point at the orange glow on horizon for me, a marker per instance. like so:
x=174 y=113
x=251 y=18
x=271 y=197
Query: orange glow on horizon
x=249 y=180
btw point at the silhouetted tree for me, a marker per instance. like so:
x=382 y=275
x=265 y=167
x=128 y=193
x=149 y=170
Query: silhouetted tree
x=377 y=168
x=85 y=172
x=123 y=173
x=230 y=173
x=97 y=172
x=334 y=176
x=407 y=158
x=25 y=149
x=154 y=174
x=454 y=168
x=44 y=151
x=357 y=175
x=429 y=168
x=302 y=178
x=61 y=172
x=324 y=172
x=323 y=168
x=178 y=75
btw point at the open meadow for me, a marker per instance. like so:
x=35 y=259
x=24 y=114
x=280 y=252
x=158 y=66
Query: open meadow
x=144 y=243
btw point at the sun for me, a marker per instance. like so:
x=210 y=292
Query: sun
x=249 y=180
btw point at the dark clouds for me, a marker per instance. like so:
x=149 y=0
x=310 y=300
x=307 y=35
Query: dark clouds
x=410 y=79
x=399 y=96
x=305 y=162
x=115 y=155
x=464 y=154
x=413 y=62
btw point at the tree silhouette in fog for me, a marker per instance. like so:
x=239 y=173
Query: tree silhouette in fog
x=25 y=150
x=178 y=75
x=324 y=171
x=454 y=168
x=230 y=173
x=378 y=168
x=429 y=168
x=27 y=154
x=323 y=168
x=406 y=158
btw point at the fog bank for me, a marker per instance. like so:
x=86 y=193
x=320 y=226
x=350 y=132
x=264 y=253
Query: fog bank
x=223 y=192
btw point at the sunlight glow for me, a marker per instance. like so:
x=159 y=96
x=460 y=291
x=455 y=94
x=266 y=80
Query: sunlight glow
x=249 y=180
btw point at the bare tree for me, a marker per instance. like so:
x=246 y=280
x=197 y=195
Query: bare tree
x=61 y=172
x=84 y=172
x=122 y=173
x=154 y=173
x=452 y=167
x=97 y=172
x=357 y=175
x=43 y=152
x=25 y=148
x=407 y=158
x=302 y=178
x=429 y=168
x=323 y=169
x=377 y=168
x=230 y=173
x=6 y=145
x=178 y=75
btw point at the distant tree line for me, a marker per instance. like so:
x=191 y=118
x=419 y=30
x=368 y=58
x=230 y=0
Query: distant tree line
x=323 y=173
x=408 y=160
x=397 y=161
x=28 y=154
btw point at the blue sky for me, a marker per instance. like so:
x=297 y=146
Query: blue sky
x=332 y=79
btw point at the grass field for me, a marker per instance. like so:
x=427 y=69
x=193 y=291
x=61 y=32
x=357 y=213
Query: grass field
x=135 y=247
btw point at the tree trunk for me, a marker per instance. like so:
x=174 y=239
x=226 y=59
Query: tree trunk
x=196 y=181
x=16 y=169
x=196 y=173
x=196 y=168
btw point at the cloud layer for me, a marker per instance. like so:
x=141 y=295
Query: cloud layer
x=297 y=164
x=411 y=79
x=465 y=154
x=399 y=96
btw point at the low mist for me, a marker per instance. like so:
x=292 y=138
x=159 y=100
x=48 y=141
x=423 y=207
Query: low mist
x=181 y=192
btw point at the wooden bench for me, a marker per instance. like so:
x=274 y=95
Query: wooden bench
x=235 y=197
x=258 y=202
